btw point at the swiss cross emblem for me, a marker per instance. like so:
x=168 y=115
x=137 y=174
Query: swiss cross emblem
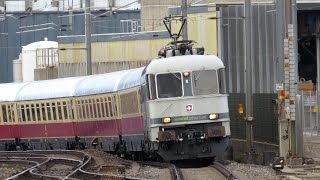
x=189 y=107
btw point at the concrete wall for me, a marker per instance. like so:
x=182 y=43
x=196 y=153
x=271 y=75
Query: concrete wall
x=110 y=52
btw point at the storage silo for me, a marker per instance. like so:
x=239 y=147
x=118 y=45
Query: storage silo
x=127 y=4
x=17 y=70
x=39 y=54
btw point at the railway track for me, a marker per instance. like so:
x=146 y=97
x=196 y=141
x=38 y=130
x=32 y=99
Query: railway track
x=175 y=172
x=80 y=165
x=50 y=165
x=225 y=171
x=216 y=171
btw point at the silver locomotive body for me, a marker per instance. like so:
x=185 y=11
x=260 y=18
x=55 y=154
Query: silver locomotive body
x=185 y=107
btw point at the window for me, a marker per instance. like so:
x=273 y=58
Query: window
x=169 y=85
x=44 y=111
x=152 y=87
x=222 y=81
x=4 y=113
x=205 y=82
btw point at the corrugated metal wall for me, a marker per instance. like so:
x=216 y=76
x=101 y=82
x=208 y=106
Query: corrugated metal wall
x=10 y=44
x=263 y=47
x=264 y=53
x=265 y=126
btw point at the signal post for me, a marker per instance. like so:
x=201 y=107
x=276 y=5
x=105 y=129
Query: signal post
x=287 y=81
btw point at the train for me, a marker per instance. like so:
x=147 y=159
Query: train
x=174 y=108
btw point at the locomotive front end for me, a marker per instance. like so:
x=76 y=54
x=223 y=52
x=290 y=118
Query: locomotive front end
x=187 y=114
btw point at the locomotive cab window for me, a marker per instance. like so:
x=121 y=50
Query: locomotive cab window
x=222 y=81
x=205 y=82
x=151 y=87
x=169 y=85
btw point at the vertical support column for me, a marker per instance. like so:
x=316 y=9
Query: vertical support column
x=248 y=76
x=299 y=126
x=280 y=35
x=284 y=126
x=88 y=37
x=219 y=35
x=318 y=73
x=292 y=85
x=184 y=13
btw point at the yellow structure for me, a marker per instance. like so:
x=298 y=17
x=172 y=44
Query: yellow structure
x=202 y=28
x=113 y=51
x=111 y=55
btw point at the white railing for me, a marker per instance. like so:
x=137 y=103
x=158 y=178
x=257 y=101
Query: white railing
x=310 y=113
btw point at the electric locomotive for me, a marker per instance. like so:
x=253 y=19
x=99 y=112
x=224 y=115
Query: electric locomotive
x=185 y=104
x=175 y=108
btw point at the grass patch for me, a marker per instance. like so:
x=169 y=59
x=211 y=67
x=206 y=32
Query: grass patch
x=8 y=166
x=239 y=158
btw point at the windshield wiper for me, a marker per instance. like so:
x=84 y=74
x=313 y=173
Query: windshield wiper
x=174 y=75
x=202 y=68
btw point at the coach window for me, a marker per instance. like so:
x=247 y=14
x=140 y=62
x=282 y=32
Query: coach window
x=169 y=85
x=4 y=113
x=205 y=82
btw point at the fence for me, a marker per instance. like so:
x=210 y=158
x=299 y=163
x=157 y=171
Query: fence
x=310 y=113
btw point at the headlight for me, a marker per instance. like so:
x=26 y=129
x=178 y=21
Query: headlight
x=166 y=120
x=213 y=116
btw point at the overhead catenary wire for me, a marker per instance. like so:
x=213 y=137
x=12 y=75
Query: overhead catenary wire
x=34 y=30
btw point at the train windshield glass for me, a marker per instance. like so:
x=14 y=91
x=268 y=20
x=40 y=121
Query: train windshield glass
x=205 y=82
x=169 y=85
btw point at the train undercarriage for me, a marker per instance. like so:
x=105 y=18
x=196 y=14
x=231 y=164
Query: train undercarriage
x=192 y=145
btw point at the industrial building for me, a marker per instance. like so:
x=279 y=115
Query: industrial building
x=119 y=43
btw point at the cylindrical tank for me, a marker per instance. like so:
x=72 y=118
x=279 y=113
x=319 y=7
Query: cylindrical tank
x=17 y=70
x=37 y=50
x=126 y=2
x=14 y=6
x=45 y=5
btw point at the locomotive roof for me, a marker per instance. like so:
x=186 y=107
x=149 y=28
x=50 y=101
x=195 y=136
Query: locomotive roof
x=184 y=63
x=69 y=87
x=103 y=83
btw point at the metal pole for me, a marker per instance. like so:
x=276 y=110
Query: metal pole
x=88 y=37
x=5 y=10
x=248 y=75
x=280 y=35
x=219 y=35
x=318 y=75
x=299 y=125
x=184 y=14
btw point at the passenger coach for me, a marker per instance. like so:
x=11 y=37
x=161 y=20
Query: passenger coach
x=175 y=108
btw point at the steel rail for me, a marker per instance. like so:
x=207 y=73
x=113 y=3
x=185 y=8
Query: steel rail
x=34 y=171
x=23 y=173
x=44 y=168
x=176 y=173
x=225 y=171
x=78 y=170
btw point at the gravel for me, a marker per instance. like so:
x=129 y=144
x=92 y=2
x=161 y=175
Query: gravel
x=252 y=172
x=8 y=170
x=133 y=169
